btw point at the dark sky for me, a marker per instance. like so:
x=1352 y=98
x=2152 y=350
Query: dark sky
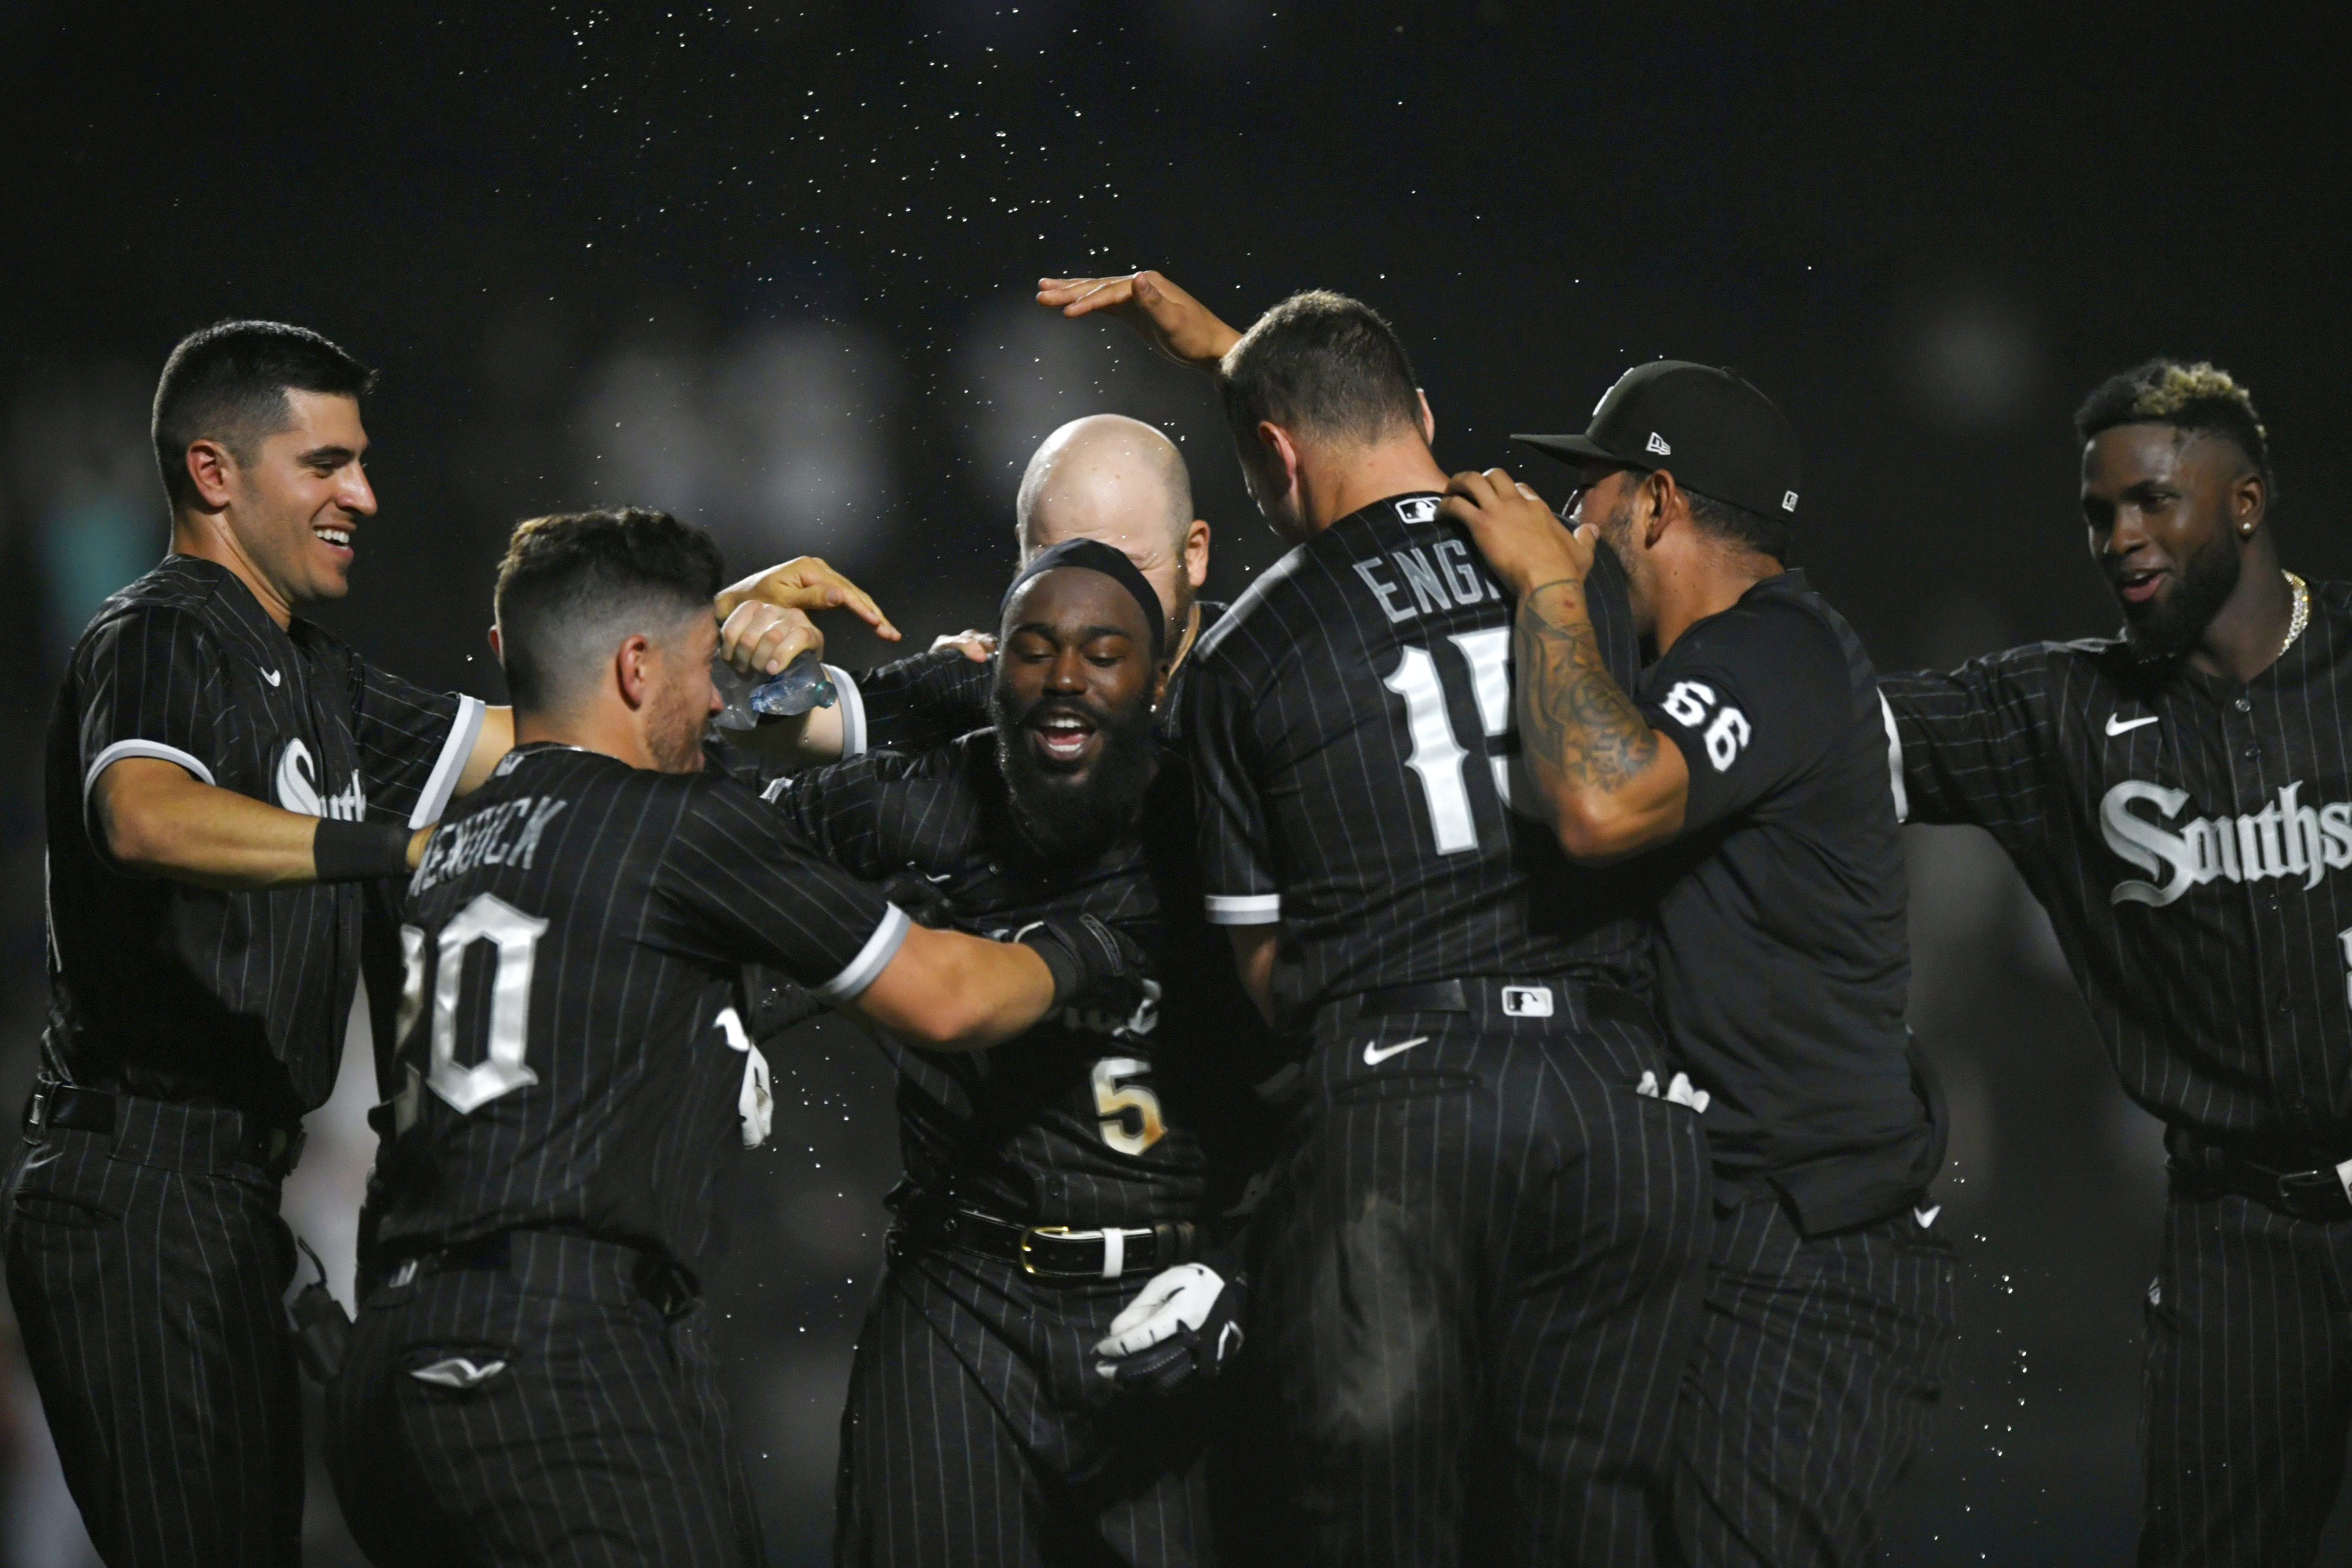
x=1926 y=234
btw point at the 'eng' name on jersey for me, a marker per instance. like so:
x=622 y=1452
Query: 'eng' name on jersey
x=1409 y=582
x=2285 y=839
x=507 y=834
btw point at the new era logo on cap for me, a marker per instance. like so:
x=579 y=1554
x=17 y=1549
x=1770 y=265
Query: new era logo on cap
x=1730 y=443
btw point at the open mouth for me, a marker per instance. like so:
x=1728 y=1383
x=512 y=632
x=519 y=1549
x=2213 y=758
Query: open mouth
x=2139 y=584
x=1062 y=737
x=336 y=539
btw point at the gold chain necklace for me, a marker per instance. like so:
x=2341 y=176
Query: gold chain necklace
x=2302 y=613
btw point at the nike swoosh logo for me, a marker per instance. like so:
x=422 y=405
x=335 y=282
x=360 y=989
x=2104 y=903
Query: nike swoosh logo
x=270 y=676
x=1375 y=1055
x=1926 y=1217
x=2118 y=723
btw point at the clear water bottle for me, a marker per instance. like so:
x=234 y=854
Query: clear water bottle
x=802 y=686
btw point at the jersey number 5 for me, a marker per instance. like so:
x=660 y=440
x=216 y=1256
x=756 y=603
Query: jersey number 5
x=514 y=938
x=1437 y=757
x=1114 y=1098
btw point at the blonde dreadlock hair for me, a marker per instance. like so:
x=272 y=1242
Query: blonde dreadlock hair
x=2194 y=397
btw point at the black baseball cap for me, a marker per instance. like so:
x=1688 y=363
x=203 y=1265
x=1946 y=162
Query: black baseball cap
x=1720 y=435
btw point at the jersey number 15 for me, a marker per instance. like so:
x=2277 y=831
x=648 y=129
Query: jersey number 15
x=1437 y=758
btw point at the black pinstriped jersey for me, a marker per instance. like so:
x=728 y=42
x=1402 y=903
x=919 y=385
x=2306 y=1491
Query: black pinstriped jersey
x=2185 y=833
x=1082 y=1120
x=1783 y=962
x=1349 y=720
x=572 y=1053
x=181 y=993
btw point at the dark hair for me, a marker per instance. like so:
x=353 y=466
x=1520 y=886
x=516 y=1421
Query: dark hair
x=229 y=380
x=1321 y=363
x=2198 y=397
x=574 y=584
x=1737 y=525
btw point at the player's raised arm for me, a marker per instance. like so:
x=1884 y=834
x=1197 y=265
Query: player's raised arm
x=1174 y=323
x=1602 y=780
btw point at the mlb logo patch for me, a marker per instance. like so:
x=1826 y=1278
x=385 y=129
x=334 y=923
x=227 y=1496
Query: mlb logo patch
x=1788 y=500
x=1658 y=445
x=1420 y=509
x=1527 y=1001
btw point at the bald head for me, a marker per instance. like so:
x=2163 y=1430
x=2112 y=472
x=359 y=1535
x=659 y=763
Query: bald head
x=1118 y=481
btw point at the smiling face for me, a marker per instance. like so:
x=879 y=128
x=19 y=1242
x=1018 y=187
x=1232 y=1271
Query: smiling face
x=1072 y=705
x=296 y=499
x=2165 y=509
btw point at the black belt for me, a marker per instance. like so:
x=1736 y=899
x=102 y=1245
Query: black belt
x=1057 y=1252
x=273 y=1146
x=2316 y=1195
x=1437 y=997
x=551 y=1257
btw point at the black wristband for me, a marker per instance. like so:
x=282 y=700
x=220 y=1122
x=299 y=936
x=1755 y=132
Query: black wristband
x=1061 y=964
x=346 y=851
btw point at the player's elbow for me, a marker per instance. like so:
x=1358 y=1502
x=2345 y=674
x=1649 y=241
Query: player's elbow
x=1595 y=829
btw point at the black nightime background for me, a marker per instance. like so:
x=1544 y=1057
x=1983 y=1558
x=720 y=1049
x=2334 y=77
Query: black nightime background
x=770 y=268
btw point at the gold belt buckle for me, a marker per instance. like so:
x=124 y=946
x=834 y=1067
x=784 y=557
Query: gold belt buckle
x=1035 y=1230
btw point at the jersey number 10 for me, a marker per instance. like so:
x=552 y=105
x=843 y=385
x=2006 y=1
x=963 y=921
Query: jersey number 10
x=1437 y=757
x=514 y=938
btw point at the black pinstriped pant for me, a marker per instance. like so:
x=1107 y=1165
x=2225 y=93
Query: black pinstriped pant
x=1819 y=1362
x=2247 y=1390
x=1477 y=1274
x=148 y=1272
x=595 y=1434
x=978 y=1433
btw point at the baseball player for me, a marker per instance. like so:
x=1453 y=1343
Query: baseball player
x=1744 y=770
x=531 y=1379
x=1472 y=1269
x=2178 y=798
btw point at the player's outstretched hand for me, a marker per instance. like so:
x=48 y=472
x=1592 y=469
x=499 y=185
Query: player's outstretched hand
x=806 y=583
x=1524 y=545
x=1166 y=317
x=977 y=647
x=1093 y=964
x=1185 y=1324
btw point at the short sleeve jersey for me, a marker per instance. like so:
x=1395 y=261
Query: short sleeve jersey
x=1350 y=724
x=177 y=992
x=1783 y=962
x=573 y=1053
x=1074 y=1122
x=2186 y=834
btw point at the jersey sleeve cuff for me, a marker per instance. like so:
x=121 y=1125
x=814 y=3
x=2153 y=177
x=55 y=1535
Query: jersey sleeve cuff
x=451 y=764
x=871 y=960
x=157 y=749
x=1243 y=908
x=1894 y=760
x=853 y=712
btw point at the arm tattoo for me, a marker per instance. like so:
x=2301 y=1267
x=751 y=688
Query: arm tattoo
x=1579 y=731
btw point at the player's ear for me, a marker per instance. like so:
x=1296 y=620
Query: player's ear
x=498 y=647
x=633 y=669
x=2249 y=499
x=1428 y=420
x=211 y=471
x=1196 y=553
x=1281 y=456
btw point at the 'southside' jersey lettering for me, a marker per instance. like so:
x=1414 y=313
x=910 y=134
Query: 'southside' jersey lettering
x=2285 y=839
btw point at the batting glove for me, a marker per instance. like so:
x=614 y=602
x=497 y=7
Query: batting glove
x=1185 y=1324
x=1091 y=964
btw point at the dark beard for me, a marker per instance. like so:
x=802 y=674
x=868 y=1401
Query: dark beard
x=2171 y=627
x=1071 y=820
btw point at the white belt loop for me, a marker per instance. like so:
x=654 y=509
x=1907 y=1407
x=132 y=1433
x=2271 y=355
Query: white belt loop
x=1114 y=1253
